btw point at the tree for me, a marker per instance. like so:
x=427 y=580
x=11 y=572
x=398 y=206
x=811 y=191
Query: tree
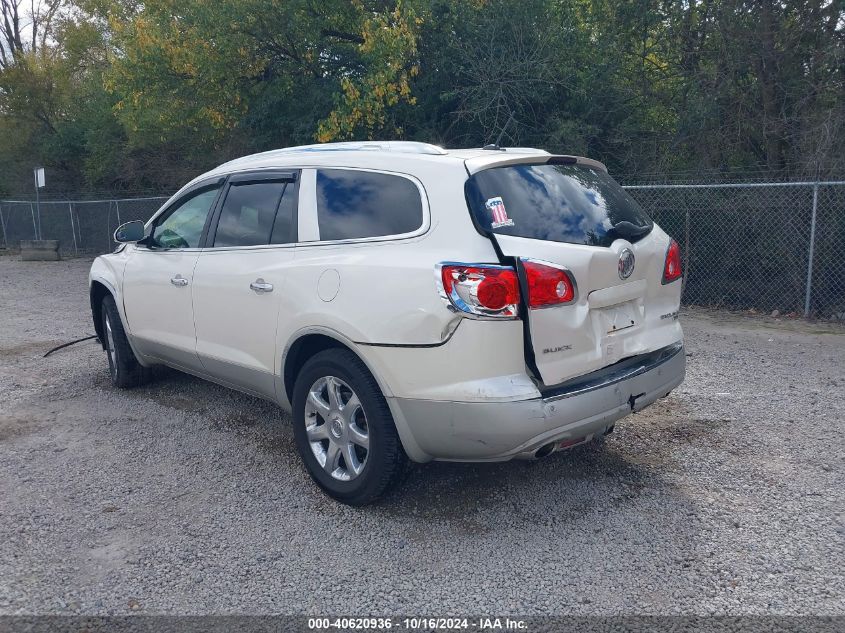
x=25 y=31
x=123 y=94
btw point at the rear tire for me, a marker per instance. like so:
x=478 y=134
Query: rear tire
x=124 y=369
x=344 y=430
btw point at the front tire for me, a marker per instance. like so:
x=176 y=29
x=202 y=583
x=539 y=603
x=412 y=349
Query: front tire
x=344 y=430
x=124 y=369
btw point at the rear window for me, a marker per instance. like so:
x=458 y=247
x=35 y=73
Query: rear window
x=569 y=203
x=358 y=204
x=256 y=213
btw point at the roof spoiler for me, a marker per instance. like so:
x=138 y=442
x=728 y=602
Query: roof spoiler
x=496 y=159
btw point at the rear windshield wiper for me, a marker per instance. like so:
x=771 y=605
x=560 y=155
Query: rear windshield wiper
x=628 y=230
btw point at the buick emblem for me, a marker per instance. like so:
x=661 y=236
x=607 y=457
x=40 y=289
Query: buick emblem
x=626 y=263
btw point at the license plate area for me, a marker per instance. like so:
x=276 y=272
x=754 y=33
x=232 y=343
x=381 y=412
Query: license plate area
x=620 y=317
x=616 y=322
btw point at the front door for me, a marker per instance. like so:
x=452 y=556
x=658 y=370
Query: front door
x=158 y=280
x=238 y=288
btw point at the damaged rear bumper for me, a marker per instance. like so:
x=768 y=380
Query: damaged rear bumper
x=580 y=408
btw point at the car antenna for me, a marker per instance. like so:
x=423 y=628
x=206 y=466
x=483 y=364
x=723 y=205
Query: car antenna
x=496 y=146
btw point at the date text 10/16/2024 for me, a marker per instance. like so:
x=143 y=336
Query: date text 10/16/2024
x=418 y=624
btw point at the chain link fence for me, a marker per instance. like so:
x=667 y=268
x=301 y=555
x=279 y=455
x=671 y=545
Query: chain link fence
x=83 y=227
x=762 y=246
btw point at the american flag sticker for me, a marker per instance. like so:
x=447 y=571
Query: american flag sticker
x=496 y=206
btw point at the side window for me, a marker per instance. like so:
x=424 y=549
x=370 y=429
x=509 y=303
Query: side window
x=284 y=230
x=357 y=204
x=182 y=226
x=256 y=213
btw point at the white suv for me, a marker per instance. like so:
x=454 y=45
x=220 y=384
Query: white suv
x=403 y=301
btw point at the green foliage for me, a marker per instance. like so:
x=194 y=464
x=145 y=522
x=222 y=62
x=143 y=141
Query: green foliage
x=124 y=94
x=182 y=68
x=388 y=63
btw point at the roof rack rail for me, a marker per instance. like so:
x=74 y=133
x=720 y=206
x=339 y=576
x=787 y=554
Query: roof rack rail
x=406 y=147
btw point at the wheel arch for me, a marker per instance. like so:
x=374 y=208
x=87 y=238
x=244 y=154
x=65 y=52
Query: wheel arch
x=97 y=292
x=313 y=340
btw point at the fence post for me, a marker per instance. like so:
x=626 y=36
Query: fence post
x=78 y=225
x=34 y=227
x=686 y=248
x=117 y=210
x=808 y=291
x=3 y=224
x=73 y=230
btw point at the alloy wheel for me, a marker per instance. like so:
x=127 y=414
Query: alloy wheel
x=110 y=347
x=337 y=430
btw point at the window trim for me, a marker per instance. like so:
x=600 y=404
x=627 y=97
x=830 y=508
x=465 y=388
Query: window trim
x=312 y=219
x=288 y=176
x=165 y=211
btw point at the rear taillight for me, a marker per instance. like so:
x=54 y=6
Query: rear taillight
x=481 y=290
x=672 y=266
x=548 y=285
x=493 y=291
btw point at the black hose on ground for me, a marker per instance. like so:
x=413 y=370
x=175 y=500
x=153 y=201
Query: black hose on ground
x=63 y=345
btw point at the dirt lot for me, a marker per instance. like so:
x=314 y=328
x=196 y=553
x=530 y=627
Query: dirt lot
x=183 y=497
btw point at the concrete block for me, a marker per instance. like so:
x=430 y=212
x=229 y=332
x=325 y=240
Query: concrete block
x=40 y=250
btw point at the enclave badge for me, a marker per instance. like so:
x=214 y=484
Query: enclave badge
x=559 y=348
x=626 y=263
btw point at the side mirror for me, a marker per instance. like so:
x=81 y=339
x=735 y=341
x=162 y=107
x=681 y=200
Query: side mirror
x=130 y=232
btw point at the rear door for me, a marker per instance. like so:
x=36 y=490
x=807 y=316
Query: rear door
x=577 y=217
x=240 y=277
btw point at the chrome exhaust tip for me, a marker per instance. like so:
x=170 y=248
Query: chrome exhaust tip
x=545 y=450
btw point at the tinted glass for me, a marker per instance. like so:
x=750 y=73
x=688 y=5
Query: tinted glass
x=182 y=227
x=248 y=214
x=355 y=204
x=284 y=229
x=561 y=203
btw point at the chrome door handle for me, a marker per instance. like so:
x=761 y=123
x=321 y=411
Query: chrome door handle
x=179 y=280
x=260 y=286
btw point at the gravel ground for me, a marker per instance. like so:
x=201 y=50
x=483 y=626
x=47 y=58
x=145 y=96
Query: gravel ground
x=183 y=497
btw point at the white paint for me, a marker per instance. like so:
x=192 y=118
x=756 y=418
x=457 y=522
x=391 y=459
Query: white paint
x=379 y=296
x=328 y=285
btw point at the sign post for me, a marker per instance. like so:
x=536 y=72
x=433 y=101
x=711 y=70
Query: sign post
x=40 y=181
